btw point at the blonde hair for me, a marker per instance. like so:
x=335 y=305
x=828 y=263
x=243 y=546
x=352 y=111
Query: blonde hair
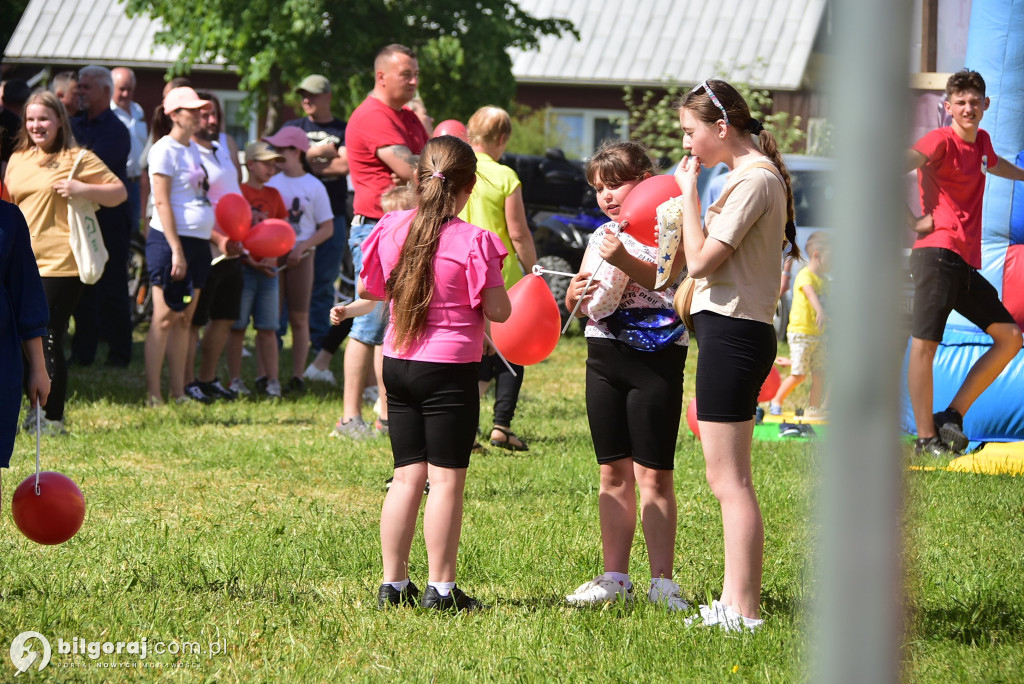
x=447 y=166
x=65 y=139
x=398 y=199
x=488 y=126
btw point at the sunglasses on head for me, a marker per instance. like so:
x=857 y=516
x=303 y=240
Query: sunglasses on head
x=714 y=99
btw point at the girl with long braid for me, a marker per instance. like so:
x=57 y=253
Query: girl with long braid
x=736 y=261
x=441 y=277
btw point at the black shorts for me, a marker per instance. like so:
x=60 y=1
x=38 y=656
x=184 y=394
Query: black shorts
x=734 y=356
x=634 y=402
x=221 y=298
x=433 y=411
x=944 y=282
x=158 y=259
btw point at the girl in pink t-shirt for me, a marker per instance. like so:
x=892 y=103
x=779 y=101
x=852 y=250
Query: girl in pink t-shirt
x=441 y=277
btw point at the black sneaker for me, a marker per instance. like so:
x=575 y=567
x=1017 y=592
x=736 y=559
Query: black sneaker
x=932 y=446
x=261 y=384
x=217 y=390
x=387 y=595
x=950 y=426
x=296 y=385
x=194 y=392
x=456 y=600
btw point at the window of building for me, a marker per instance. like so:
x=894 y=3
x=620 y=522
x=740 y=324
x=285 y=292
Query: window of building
x=583 y=130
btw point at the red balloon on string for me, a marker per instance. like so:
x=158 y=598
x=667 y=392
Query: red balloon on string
x=639 y=214
x=691 y=418
x=451 y=127
x=270 y=238
x=53 y=515
x=771 y=385
x=234 y=216
x=532 y=331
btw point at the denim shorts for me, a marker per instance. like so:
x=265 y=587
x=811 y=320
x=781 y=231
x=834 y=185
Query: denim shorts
x=368 y=329
x=261 y=301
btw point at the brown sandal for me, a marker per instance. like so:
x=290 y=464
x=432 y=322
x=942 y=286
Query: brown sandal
x=507 y=442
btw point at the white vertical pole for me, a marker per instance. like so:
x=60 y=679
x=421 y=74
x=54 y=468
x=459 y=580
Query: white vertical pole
x=857 y=626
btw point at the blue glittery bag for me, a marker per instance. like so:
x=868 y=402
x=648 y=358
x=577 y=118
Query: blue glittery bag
x=646 y=329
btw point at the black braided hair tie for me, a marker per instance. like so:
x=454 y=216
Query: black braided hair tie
x=755 y=127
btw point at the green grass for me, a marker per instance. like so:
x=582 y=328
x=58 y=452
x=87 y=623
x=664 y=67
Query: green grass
x=244 y=523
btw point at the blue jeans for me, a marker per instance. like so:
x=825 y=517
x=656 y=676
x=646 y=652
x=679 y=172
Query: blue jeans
x=368 y=329
x=326 y=267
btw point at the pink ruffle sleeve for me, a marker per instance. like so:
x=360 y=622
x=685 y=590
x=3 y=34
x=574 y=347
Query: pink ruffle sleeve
x=483 y=268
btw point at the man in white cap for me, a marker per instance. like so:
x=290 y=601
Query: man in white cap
x=328 y=161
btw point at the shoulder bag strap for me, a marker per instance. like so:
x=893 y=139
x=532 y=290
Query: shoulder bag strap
x=720 y=202
x=78 y=160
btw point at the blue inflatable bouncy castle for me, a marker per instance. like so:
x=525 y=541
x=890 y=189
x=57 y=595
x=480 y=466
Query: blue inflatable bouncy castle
x=995 y=49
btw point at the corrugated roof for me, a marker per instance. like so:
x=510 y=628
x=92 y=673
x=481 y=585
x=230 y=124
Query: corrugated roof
x=640 y=42
x=645 y=41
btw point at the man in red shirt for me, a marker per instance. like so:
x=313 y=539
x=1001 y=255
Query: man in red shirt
x=383 y=140
x=951 y=163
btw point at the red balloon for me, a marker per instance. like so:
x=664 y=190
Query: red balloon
x=638 y=216
x=532 y=331
x=270 y=238
x=234 y=216
x=451 y=127
x=771 y=385
x=55 y=514
x=691 y=418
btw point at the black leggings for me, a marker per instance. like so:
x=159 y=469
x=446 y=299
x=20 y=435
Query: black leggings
x=735 y=356
x=506 y=387
x=62 y=295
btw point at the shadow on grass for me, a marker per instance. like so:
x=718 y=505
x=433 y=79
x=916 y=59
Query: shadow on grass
x=976 y=622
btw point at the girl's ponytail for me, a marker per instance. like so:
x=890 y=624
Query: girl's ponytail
x=770 y=148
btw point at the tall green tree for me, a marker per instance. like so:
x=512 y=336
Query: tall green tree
x=461 y=45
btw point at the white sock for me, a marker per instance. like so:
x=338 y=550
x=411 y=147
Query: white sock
x=442 y=588
x=664 y=585
x=621 y=577
x=400 y=586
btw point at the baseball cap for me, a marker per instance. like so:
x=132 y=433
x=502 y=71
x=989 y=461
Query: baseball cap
x=261 y=151
x=183 y=98
x=315 y=84
x=289 y=136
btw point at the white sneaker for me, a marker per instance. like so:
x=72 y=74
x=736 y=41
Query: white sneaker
x=316 y=375
x=238 y=385
x=274 y=389
x=29 y=424
x=669 y=595
x=601 y=589
x=720 y=615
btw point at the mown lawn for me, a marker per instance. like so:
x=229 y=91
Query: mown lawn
x=245 y=525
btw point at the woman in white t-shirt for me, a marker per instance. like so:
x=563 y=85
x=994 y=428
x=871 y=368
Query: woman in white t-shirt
x=735 y=259
x=310 y=214
x=178 y=244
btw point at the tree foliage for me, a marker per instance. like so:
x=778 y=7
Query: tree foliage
x=461 y=45
x=653 y=118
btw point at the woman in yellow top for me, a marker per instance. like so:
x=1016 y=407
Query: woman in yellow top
x=37 y=177
x=497 y=205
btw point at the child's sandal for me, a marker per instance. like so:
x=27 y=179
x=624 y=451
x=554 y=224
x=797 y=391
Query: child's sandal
x=507 y=442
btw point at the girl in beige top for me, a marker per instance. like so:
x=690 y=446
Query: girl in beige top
x=735 y=259
x=37 y=177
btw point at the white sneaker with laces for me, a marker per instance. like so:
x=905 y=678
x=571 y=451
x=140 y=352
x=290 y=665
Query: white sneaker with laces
x=274 y=389
x=238 y=385
x=667 y=594
x=316 y=375
x=720 y=615
x=601 y=589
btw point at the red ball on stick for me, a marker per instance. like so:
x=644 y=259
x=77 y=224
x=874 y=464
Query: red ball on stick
x=639 y=214
x=532 y=331
x=771 y=385
x=53 y=515
x=691 y=418
x=270 y=238
x=234 y=216
x=451 y=127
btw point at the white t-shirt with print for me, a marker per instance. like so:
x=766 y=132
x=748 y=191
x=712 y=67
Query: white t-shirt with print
x=306 y=200
x=193 y=213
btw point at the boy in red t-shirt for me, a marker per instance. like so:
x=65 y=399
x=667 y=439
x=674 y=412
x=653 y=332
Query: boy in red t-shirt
x=260 y=294
x=951 y=164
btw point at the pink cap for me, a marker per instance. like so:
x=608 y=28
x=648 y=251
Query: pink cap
x=183 y=98
x=289 y=136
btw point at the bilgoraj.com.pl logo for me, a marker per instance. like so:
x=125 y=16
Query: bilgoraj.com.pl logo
x=32 y=650
x=24 y=654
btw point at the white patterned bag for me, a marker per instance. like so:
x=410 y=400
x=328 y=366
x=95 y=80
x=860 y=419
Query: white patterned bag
x=86 y=239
